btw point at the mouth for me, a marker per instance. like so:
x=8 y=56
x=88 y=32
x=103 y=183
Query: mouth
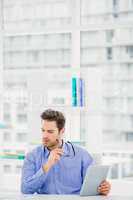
x=45 y=141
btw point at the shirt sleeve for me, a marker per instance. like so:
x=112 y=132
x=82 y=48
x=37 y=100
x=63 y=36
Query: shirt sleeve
x=87 y=160
x=31 y=180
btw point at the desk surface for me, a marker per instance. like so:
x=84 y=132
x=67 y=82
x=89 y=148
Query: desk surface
x=60 y=197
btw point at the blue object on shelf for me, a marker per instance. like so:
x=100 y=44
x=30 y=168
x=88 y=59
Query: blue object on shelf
x=81 y=92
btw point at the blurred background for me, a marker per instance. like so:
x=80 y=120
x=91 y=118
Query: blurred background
x=75 y=56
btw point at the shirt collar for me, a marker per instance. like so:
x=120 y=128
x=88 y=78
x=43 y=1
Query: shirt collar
x=45 y=151
x=66 y=150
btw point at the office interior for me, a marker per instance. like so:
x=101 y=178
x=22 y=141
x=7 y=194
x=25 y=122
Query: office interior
x=75 y=56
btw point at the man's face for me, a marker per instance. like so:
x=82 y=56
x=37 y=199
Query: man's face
x=50 y=134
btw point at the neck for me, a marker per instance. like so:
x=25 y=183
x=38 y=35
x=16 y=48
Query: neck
x=59 y=144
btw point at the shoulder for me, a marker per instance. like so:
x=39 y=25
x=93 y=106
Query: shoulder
x=79 y=148
x=36 y=152
x=82 y=152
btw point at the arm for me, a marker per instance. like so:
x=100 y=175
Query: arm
x=87 y=160
x=31 y=180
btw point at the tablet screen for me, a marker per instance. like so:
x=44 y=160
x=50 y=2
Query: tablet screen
x=94 y=176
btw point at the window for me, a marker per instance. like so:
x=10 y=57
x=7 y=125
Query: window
x=7 y=110
x=131 y=4
x=129 y=136
x=21 y=137
x=115 y=3
x=7 y=168
x=21 y=107
x=35 y=55
x=109 y=35
x=18 y=169
x=22 y=118
x=115 y=8
x=7 y=117
x=129 y=50
x=109 y=53
x=15 y=85
x=6 y=137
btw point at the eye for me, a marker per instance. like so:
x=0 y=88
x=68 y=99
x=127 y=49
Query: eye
x=50 y=131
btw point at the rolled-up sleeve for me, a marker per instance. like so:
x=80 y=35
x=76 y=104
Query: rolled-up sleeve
x=31 y=180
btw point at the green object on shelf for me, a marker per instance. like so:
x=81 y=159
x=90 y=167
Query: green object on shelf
x=74 y=91
x=19 y=157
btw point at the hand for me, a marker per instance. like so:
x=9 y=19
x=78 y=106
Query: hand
x=53 y=158
x=104 y=188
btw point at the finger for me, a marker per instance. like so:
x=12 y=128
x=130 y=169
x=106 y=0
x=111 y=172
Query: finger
x=58 y=150
x=103 y=188
x=103 y=192
x=60 y=153
x=104 y=181
x=57 y=158
x=105 y=184
x=57 y=153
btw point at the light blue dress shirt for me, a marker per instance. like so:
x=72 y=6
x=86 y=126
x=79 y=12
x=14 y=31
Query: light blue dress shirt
x=65 y=177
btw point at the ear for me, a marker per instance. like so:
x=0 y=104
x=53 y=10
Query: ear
x=62 y=131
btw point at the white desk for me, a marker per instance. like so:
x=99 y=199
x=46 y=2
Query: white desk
x=121 y=190
x=60 y=197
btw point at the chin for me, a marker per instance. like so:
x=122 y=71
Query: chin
x=45 y=144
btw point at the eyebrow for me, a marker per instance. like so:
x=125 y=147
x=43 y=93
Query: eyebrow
x=47 y=130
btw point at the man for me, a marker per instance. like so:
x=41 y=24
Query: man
x=56 y=167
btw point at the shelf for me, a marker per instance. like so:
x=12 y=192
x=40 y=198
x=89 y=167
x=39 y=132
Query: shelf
x=106 y=45
x=12 y=156
x=108 y=13
x=34 y=32
x=36 y=50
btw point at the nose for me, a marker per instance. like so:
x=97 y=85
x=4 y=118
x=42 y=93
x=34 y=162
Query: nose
x=45 y=135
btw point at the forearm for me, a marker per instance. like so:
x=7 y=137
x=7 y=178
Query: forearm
x=32 y=183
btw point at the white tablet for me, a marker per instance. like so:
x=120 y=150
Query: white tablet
x=94 y=176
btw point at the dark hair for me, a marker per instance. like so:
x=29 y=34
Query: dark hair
x=53 y=115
